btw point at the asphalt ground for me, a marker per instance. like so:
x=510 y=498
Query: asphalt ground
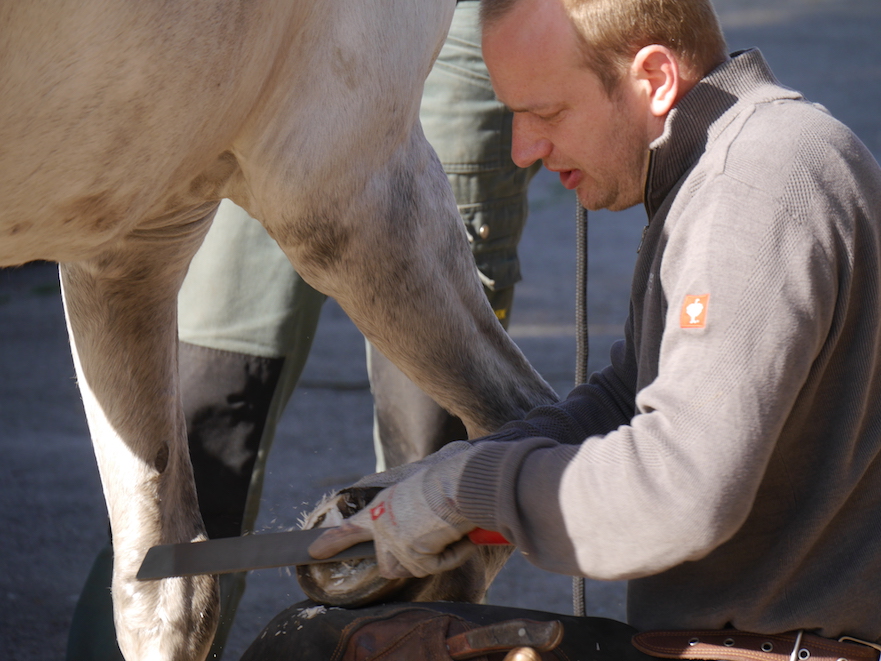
x=52 y=515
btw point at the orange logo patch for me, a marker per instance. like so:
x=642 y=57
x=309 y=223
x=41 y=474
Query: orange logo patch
x=694 y=311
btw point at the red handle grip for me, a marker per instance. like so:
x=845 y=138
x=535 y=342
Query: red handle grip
x=487 y=537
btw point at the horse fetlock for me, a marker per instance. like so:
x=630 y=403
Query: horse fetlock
x=168 y=620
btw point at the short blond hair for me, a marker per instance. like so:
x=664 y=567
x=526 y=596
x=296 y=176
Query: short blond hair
x=612 y=32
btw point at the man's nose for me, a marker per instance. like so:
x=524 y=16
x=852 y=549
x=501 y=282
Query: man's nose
x=528 y=145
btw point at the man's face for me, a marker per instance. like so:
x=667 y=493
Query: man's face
x=562 y=114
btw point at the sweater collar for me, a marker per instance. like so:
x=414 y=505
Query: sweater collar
x=701 y=115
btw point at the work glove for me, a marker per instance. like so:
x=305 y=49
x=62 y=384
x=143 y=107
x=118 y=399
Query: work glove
x=415 y=523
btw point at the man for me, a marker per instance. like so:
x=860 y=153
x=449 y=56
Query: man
x=727 y=461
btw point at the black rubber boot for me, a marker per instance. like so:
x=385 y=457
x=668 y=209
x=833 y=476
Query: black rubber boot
x=227 y=397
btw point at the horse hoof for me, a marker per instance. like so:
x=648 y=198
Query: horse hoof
x=349 y=583
x=355 y=583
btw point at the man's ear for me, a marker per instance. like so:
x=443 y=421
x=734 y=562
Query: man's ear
x=657 y=70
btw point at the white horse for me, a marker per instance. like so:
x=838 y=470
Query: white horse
x=122 y=125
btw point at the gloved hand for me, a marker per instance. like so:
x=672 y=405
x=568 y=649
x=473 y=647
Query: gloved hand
x=415 y=523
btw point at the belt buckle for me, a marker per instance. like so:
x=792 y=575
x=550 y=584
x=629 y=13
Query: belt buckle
x=874 y=646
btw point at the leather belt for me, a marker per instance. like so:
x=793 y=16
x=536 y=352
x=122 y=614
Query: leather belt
x=734 y=645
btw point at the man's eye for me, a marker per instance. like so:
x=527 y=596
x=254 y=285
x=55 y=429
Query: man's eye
x=550 y=116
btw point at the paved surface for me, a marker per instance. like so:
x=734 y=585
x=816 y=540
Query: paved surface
x=52 y=515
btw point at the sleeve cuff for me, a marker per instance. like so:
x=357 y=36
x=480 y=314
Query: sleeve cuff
x=487 y=492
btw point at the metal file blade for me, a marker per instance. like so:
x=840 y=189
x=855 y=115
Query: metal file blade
x=235 y=554
x=262 y=551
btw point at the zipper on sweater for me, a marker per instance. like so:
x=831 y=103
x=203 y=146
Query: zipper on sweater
x=648 y=178
x=642 y=238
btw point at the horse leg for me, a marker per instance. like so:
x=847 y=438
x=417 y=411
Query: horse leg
x=398 y=263
x=121 y=314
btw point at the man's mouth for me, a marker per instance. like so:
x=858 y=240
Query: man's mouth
x=570 y=178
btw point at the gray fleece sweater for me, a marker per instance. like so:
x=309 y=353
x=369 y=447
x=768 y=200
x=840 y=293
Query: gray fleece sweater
x=728 y=461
